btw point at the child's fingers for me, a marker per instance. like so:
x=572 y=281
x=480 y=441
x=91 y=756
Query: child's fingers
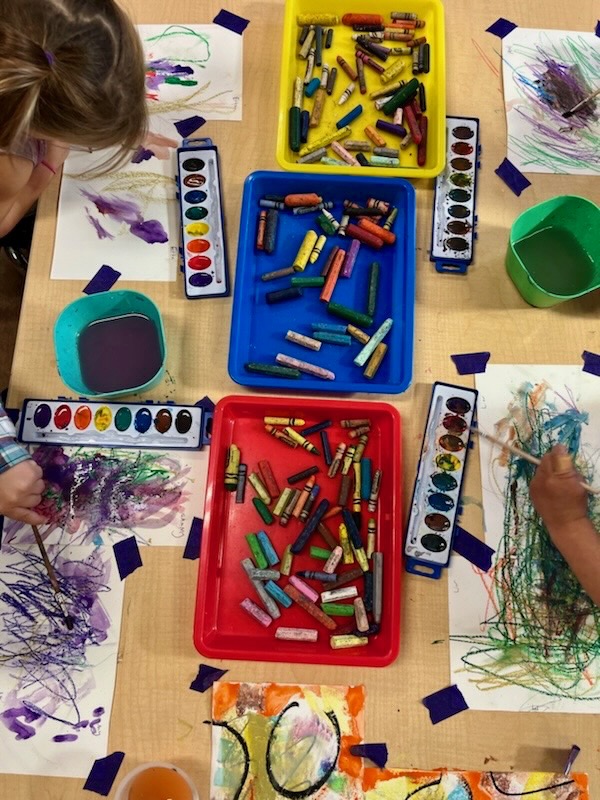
x=562 y=464
x=28 y=516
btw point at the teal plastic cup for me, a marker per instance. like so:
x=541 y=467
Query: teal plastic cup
x=554 y=250
x=84 y=312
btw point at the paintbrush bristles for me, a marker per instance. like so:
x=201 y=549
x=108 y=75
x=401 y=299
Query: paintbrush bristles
x=522 y=454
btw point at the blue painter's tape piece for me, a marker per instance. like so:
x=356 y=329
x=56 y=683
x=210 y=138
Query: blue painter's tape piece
x=473 y=549
x=591 y=362
x=103 y=280
x=103 y=773
x=194 y=540
x=206 y=676
x=512 y=177
x=185 y=127
x=127 y=555
x=597 y=28
x=377 y=753
x=206 y=403
x=141 y=154
x=470 y=363
x=502 y=27
x=445 y=703
x=231 y=21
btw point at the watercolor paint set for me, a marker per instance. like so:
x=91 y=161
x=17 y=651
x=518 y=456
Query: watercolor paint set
x=203 y=244
x=87 y=423
x=435 y=501
x=454 y=220
x=251 y=444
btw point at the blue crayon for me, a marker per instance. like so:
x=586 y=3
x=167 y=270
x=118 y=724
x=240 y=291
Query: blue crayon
x=332 y=338
x=365 y=478
x=326 y=447
x=268 y=549
x=278 y=594
x=316 y=428
x=330 y=327
x=310 y=527
x=324 y=577
x=368 y=595
x=353 y=531
x=312 y=87
x=304 y=120
x=350 y=116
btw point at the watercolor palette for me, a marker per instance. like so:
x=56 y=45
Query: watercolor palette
x=83 y=422
x=222 y=629
x=203 y=245
x=435 y=500
x=454 y=218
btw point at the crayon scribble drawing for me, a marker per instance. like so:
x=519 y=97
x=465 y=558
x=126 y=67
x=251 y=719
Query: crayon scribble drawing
x=401 y=784
x=525 y=636
x=97 y=496
x=56 y=685
x=277 y=740
x=545 y=74
x=129 y=218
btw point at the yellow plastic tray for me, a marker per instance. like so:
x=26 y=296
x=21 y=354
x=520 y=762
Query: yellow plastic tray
x=434 y=81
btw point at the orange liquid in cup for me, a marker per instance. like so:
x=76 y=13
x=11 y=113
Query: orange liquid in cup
x=159 y=783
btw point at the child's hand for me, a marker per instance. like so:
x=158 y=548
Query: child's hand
x=556 y=491
x=21 y=489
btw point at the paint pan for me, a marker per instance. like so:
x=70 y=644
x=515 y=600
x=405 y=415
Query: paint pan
x=83 y=422
x=204 y=248
x=454 y=219
x=435 y=501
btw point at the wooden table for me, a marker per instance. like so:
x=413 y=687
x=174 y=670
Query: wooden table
x=155 y=716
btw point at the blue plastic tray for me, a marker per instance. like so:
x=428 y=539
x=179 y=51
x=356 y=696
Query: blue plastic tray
x=258 y=329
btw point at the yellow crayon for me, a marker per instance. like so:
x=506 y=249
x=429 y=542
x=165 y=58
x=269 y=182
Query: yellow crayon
x=334 y=136
x=232 y=466
x=297 y=437
x=392 y=71
x=295 y=422
x=306 y=248
x=345 y=543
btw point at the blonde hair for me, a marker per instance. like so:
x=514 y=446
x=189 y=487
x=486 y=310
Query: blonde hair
x=71 y=70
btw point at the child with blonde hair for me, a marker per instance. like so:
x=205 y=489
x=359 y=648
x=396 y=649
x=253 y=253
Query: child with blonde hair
x=72 y=74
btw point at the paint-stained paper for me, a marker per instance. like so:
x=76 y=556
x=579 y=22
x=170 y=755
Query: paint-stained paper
x=546 y=73
x=400 y=784
x=130 y=218
x=102 y=496
x=276 y=740
x=56 y=685
x=524 y=636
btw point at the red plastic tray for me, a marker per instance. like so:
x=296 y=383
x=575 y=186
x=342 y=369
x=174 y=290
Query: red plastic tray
x=222 y=629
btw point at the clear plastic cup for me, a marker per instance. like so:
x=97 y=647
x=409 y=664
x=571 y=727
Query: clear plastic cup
x=123 y=790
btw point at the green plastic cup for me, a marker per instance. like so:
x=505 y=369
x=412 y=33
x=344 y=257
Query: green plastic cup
x=554 y=251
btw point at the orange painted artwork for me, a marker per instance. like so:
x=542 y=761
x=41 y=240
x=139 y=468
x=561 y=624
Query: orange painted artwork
x=274 y=740
x=400 y=784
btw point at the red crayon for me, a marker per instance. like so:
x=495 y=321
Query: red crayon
x=386 y=236
x=413 y=125
x=333 y=275
x=355 y=232
x=422 y=148
x=362 y=19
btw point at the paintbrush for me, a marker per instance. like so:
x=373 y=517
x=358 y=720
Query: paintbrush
x=60 y=599
x=523 y=454
x=571 y=111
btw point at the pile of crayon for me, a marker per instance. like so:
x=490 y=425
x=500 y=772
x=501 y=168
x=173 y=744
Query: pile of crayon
x=349 y=567
x=384 y=50
x=366 y=224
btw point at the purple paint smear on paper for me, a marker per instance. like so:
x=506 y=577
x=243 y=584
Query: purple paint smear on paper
x=101 y=232
x=125 y=211
x=41 y=654
x=141 y=154
x=93 y=494
x=161 y=71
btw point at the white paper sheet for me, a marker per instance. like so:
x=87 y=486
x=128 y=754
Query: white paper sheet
x=56 y=685
x=544 y=71
x=522 y=636
x=101 y=496
x=129 y=219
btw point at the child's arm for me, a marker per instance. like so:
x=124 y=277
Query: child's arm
x=21 y=484
x=562 y=503
x=21 y=184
